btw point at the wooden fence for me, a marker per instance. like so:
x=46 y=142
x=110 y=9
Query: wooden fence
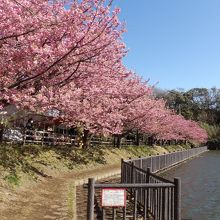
x=47 y=138
x=53 y=138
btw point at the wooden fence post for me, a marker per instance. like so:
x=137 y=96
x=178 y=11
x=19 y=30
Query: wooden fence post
x=132 y=172
x=91 y=196
x=177 y=199
x=148 y=175
x=140 y=162
x=24 y=137
x=122 y=170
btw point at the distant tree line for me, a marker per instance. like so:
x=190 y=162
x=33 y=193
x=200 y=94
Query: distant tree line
x=198 y=104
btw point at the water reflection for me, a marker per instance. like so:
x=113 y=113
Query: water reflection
x=200 y=186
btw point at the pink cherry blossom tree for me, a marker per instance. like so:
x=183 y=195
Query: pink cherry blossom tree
x=67 y=55
x=49 y=44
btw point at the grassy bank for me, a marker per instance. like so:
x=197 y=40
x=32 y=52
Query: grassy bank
x=20 y=165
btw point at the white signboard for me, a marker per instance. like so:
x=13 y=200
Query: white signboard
x=114 y=197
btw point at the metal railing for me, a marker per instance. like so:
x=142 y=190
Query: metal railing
x=158 y=203
x=160 y=162
x=148 y=196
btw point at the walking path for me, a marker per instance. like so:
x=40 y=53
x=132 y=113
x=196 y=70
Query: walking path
x=53 y=199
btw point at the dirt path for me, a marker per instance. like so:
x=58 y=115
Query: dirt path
x=50 y=199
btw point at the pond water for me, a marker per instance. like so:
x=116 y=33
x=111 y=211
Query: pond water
x=200 y=178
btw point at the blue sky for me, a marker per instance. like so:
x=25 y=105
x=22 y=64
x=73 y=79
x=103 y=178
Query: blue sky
x=175 y=42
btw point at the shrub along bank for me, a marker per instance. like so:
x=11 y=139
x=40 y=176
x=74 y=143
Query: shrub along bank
x=213 y=132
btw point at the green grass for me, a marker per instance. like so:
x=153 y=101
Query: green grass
x=21 y=164
x=12 y=179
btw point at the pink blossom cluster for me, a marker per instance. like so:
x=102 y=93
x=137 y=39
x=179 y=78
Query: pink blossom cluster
x=67 y=56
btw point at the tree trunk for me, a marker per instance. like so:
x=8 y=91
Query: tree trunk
x=137 y=138
x=114 y=141
x=86 y=139
x=1 y=133
x=118 y=141
x=78 y=141
x=151 y=140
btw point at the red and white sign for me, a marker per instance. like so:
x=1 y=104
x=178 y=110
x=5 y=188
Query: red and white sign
x=113 y=197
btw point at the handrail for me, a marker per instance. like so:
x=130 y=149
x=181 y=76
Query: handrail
x=134 y=185
x=153 y=156
x=161 y=162
x=160 y=178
